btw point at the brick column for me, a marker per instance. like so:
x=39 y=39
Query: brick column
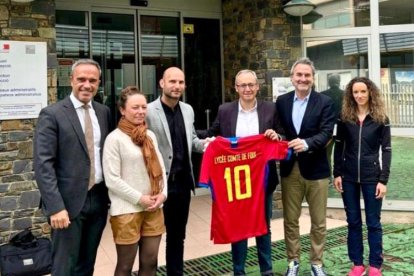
x=258 y=35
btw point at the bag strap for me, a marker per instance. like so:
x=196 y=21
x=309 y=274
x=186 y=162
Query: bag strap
x=23 y=238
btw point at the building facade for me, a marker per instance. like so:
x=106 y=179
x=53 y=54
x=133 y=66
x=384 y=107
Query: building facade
x=134 y=41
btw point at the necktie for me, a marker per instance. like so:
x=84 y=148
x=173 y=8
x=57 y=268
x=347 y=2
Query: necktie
x=90 y=144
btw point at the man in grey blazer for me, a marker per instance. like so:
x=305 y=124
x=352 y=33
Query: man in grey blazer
x=69 y=176
x=172 y=121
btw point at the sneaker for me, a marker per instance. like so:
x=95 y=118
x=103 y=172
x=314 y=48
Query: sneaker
x=293 y=269
x=357 y=270
x=317 y=270
x=373 y=271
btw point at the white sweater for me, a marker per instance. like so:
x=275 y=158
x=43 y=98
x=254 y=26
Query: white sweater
x=125 y=173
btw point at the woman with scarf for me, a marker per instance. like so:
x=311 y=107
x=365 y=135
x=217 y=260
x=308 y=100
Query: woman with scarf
x=137 y=186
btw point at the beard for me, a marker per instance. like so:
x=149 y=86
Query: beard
x=173 y=95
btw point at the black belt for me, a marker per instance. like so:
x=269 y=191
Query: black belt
x=97 y=186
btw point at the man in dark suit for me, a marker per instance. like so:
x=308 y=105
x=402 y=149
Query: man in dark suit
x=68 y=144
x=337 y=95
x=244 y=117
x=307 y=118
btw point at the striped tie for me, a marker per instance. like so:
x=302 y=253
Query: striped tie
x=90 y=144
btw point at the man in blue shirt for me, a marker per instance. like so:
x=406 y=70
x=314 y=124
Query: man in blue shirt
x=307 y=118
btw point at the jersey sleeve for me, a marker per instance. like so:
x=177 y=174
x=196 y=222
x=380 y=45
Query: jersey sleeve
x=205 y=168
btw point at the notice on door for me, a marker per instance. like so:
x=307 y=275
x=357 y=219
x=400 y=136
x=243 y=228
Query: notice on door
x=23 y=79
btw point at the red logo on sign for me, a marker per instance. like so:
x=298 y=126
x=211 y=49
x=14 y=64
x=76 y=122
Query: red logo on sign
x=6 y=46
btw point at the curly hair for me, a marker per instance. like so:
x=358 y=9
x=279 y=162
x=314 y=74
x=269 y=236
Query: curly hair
x=375 y=103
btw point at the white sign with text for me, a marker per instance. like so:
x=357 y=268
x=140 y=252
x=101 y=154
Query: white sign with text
x=23 y=79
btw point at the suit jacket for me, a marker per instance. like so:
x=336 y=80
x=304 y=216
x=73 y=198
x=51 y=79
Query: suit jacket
x=317 y=127
x=337 y=95
x=61 y=160
x=157 y=122
x=225 y=125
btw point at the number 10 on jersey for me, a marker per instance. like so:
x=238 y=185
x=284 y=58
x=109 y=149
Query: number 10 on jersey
x=235 y=188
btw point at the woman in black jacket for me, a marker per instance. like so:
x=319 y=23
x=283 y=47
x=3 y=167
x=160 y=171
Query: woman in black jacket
x=363 y=129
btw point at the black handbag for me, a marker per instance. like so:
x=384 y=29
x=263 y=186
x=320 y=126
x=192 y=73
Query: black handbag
x=26 y=255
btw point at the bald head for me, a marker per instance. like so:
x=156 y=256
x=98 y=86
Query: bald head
x=172 y=85
x=173 y=71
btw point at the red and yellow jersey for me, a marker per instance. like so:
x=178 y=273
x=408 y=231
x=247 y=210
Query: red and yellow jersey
x=236 y=172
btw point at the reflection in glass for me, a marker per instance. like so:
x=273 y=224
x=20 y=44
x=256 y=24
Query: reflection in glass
x=345 y=57
x=113 y=46
x=72 y=43
x=159 y=39
x=394 y=12
x=342 y=58
x=72 y=37
x=331 y=14
x=397 y=77
x=397 y=87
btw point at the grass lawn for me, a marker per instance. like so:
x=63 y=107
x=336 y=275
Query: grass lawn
x=402 y=170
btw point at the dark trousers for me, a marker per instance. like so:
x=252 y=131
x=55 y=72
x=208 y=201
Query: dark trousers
x=263 y=245
x=75 y=248
x=176 y=210
x=329 y=152
x=351 y=197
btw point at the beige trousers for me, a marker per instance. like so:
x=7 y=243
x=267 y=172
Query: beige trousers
x=295 y=188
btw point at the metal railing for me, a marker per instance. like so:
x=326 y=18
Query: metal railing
x=399 y=103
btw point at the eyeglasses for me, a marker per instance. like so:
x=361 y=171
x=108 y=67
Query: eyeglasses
x=245 y=85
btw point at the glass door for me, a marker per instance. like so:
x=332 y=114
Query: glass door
x=202 y=57
x=72 y=43
x=337 y=61
x=346 y=57
x=113 y=46
x=159 y=41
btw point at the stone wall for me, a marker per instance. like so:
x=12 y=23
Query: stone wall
x=258 y=35
x=19 y=196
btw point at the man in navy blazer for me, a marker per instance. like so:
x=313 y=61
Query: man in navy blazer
x=75 y=202
x=243 y=117
x=307 y=118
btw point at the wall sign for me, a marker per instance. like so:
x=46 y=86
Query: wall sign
x=23 y=79
x=281 y=86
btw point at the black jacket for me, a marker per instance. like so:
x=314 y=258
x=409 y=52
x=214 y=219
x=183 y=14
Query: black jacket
x=357 y=151
x=317 y=127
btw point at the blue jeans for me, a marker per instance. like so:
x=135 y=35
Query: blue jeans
x=263 y=245
x=351 y=197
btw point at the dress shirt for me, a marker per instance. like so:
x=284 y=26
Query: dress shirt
x=298 y=111
x=247 y=121
x=180 y=172
x=80 y=111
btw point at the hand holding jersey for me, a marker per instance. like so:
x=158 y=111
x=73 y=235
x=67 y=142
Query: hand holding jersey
x=235 y=169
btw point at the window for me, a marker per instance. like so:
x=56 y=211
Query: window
x=393 y=12
x=338 y=14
